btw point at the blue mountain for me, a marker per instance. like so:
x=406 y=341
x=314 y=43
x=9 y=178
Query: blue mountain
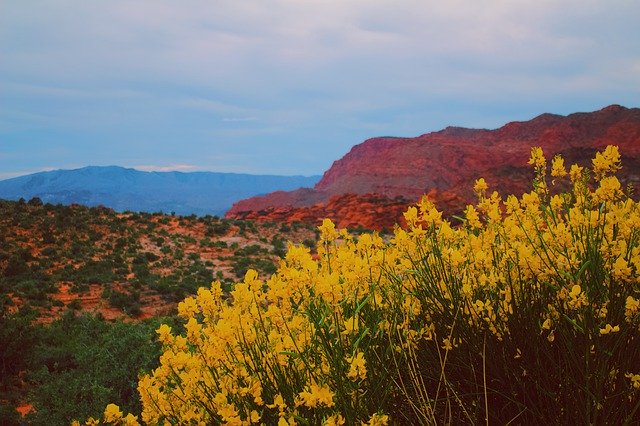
x=125 y=189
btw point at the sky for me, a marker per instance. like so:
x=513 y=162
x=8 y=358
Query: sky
x=289 y=86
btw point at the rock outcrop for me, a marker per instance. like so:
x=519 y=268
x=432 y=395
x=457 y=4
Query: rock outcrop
x=377 y=179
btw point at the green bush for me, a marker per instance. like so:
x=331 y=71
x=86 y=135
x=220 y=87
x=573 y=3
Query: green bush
x=82 y=363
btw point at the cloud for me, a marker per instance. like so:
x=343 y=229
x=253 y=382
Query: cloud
x=167 y=168
x=261 y=48
x=238 y=119
x=211 y=105
x=138 y=77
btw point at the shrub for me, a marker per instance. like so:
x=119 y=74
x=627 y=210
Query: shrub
x=129 y=303
x=81 y=363
x=218 y=229
x=528 y=312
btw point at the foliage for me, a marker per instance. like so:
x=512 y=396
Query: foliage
x=15 y=334
x=528 y=312
x=82 y=363
x=44 y=245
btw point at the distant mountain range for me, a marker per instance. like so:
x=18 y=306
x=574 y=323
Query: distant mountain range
x=378 y=179
x=125 y=189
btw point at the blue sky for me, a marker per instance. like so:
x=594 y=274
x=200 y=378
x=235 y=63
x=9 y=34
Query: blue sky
x=289 y=86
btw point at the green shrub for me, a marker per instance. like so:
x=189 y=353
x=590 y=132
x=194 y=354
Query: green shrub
x=82 y=363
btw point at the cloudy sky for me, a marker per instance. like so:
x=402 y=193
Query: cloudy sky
x=289 y=86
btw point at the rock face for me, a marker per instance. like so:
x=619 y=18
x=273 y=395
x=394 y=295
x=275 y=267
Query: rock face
x=369 y=185
x=369 y=211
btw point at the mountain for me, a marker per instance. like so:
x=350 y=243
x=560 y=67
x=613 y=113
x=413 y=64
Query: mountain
x=445 y=164
x=124 y=189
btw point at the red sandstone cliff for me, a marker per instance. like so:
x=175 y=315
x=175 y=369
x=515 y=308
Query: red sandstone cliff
x=383 y=175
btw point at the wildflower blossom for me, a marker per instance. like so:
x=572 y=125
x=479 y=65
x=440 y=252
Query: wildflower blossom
x=557 y=167
x=609 y=329
x=635 y=379
x=606 y=162
x=112 y=413
x=473 y=219
x=317 y=396
x=378 y=420
x=480 y=187
x=357 y=367
x=335 y=420
x=632 y=307
x=621 y=269
x=537 y=157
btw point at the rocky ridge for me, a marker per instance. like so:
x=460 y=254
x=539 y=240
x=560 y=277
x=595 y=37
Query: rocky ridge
x=373 y=184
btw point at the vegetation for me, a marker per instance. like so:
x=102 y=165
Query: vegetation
x=56 y=260
x=527 y=312
x=42 y=246
x=72 y=367
x=82 y=363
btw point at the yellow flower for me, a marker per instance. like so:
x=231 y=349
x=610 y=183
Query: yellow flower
x=632 y=306
x=378 y=420
x=480 y=187
x=130 y=420
x=473 y=219
x=328 y=230
x=357 y=366
x=316 y=396
x=446 y=344
x=621 y=269
x=537 y=157
x=575 y=291
x=607 y=161
x=351 y=326
x=557 y=167
x=335 y=420
x=391 y=293
x=551 y=337
x=556 y=203
x=411 y=215
x=456 y=258
x=112 y=413
x=575 y=173
x=531 y=201
x=188 y=307
x=609 y=329
x=512 y=204
x=634 y=378
x=278 y=402
x=164 y=334
x=609 y=189
x=577 y=297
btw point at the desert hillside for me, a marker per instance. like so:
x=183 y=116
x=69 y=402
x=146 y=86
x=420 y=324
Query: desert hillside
x=445 y=164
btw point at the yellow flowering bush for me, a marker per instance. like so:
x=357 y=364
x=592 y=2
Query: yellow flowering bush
x=526 y=311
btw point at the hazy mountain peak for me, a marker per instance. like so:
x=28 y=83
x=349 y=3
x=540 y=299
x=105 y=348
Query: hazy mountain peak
x=128 y=189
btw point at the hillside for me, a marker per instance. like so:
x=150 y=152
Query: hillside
x=82 y=290
x=445 y=164
x=56 y=258
x=125 y=189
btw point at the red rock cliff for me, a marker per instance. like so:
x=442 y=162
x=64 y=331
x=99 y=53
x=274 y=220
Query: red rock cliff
x=445 y=164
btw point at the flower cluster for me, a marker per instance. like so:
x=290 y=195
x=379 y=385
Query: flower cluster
x=528 y=309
